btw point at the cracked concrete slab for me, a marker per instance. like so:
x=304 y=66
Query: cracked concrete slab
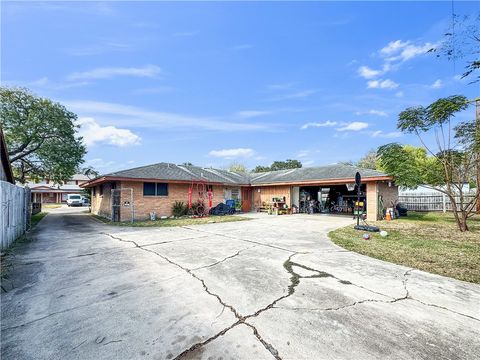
x=251 y=280
x=449 y=293
x=376 y=275
x=238 y=343
x=274 y=287
x=370 y=330
x=197 y=254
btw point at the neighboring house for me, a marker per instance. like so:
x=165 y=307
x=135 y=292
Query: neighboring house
x=135 y=193
x=45 y=191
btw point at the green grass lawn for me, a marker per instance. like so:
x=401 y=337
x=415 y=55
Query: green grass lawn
x=425 y=241
x=176 y=222
x=36 y=218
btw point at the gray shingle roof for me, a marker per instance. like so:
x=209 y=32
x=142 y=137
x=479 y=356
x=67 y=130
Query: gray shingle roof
x=312 y=173
x=167 y=171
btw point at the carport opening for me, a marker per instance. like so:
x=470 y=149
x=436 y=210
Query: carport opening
x=333 y=199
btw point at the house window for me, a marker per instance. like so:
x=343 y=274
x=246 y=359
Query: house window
x=155 y=189
x=94 y=191
x=100 y=190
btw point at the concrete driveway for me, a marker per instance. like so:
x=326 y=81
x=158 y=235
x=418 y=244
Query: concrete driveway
x=272 y=287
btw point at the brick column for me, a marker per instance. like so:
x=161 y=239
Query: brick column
x=372 y=204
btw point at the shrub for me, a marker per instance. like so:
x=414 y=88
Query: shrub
x=179 y=209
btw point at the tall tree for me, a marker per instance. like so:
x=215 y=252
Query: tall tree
x=368 y=161
x=448 y=166
x=40 y=135
x=237 y=167
x=279 y=165
x=287 y=164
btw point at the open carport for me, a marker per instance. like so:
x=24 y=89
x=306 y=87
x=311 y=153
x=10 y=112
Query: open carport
x=272 y=287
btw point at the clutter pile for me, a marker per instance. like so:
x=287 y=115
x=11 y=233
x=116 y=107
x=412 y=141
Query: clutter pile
x=222 y=209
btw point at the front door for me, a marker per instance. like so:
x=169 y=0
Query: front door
x=246 y=199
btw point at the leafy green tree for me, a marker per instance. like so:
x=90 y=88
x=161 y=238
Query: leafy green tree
x=287 y=164
x=447 y=167
x=279 y=165
x=237 y=168
x=260 y=168
x=368 y=161
x=40 y=135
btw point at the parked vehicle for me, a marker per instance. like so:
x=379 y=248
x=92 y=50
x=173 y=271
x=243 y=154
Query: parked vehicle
x=74 y=200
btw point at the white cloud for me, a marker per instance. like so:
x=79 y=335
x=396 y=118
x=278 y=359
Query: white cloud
x=295 y=95
x=388 y=135
x=399 y=94
x=372 y=112
x=318 y=124
x=303 y=153
x=252 y=113
x=93 y=133
x=354 y=126
x=437 y=84
x=367 y=73
x=126 y=115
x=232 y=153
x=402 y=51
x=382 y=84
x=109 y=72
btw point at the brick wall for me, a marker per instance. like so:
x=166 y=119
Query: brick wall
x=375 y=189
x=389 y=193
x=161 y=205
x=266 y=194
x=100 y=204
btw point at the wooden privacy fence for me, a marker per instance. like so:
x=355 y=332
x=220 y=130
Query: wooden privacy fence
x=430 y=202
x=14 y=212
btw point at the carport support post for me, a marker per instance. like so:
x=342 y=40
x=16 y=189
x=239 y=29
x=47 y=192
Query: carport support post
x=358 y=182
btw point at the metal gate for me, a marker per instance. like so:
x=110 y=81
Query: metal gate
x=117 y=203
x=116 y=206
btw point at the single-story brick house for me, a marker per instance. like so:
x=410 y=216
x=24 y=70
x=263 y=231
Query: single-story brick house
x=135 y=193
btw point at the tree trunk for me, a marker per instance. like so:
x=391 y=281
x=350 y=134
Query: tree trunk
x=460 y=215
x=462 y=225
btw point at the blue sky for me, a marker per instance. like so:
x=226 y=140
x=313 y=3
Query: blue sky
x=213 y=83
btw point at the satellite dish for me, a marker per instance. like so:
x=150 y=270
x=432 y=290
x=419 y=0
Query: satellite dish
x=358 y=179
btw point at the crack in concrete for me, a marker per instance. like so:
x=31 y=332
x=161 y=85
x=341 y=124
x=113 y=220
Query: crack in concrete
x=240 y=239
x=189 y=271
x=224 y=259
x=294 y=282
x=241 y=319
x=174 y=241
x=44 y=317
x=81 y=255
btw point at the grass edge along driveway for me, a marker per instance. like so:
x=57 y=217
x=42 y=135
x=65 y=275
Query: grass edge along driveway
x=426 y=241
x=174 y=222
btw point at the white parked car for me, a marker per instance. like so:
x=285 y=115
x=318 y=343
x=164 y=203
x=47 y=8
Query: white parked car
x=74 y=200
